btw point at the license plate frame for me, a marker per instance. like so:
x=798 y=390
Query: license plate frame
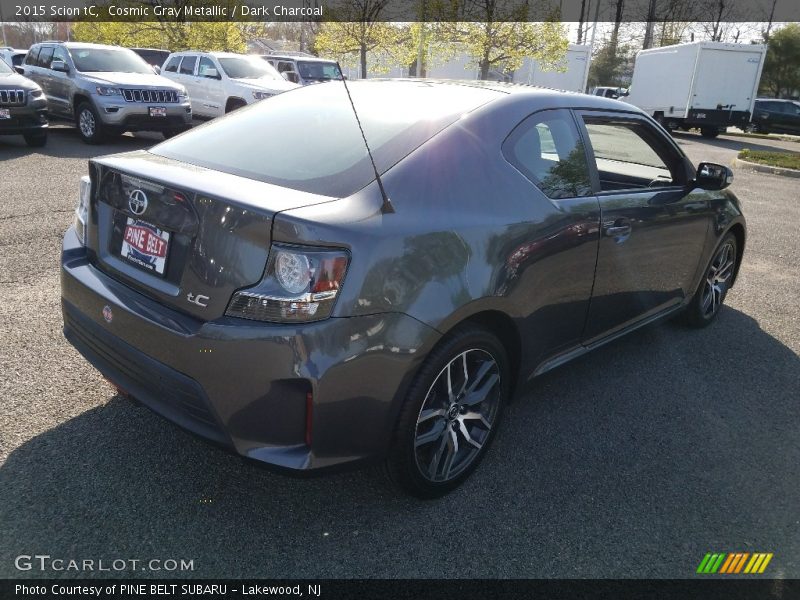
x=5 y=113
x=145 y=246
x=159 y=112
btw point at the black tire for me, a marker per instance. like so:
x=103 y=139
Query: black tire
x=90 y=127
x=233 y=104
x=436 y=458
x=36 y=140
x=717 y=277
x=709 y=132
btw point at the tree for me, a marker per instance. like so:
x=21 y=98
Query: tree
x=781 y=75
x=500 y=36
x=607 y=64
x=175 y=36
x=354 y=29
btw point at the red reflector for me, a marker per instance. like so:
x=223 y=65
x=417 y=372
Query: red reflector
x=309 y=405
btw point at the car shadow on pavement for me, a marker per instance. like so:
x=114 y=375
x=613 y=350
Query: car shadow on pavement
x=64 y=142
x=666 y=444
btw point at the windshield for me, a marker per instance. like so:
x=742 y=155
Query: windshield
x=308 y=139
x=109 y=60
x=4 y=68
x=244 y=67
x=318 y=70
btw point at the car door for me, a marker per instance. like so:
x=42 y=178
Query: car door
x=549 y=264
x=186 y=77
x=58 y=94
x=653 y=227
x=209 y=82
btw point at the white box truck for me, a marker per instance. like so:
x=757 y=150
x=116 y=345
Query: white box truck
x=705 y=85
x=573 y=78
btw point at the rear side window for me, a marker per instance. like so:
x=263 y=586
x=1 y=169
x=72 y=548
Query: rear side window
x=60 y=54
x=32 y=56
x=308 y=139
x=172 y=64
x=45 y=56
x=205 y=67
x=187 y=65
x=547 y=149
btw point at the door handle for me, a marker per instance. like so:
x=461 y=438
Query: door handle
x=618 y=228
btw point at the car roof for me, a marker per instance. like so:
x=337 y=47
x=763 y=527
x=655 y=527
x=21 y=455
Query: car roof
x=78 y=45
x=537 y=98
x=302 y=58
x=210 y=53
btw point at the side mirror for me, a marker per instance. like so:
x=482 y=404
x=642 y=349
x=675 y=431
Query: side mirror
x=59 y=65
x=291 y=76
x=211 y=73
x=20 y=70
x=711 y=176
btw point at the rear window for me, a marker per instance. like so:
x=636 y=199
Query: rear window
x=308 y=139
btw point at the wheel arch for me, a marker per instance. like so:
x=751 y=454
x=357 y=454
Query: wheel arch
x=79 y=99
x=737 y=229
x=503 y=326
x=234 y=99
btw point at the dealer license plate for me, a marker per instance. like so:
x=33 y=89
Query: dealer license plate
x=145 y=246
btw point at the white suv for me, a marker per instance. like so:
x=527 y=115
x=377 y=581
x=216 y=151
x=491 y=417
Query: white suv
x=219 y=82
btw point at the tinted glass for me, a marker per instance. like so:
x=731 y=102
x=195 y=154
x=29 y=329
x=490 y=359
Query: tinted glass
x=172 y=65
x=319 y=71
x=308 y=138
x=205 y=65
x=628 y=154
x=547 y=149
x=60 y=54
x=248 y=68
x=108 y=60
x=44 y=57
x=17 y=59
x=187 y=65
x=32 y=56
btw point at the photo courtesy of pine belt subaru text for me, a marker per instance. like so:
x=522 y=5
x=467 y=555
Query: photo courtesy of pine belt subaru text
x=312 y=305
x=106 y=90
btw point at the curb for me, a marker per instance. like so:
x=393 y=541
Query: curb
x=745 y=164
x=764 y=136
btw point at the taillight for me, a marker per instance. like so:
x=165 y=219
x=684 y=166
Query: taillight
x=82 y=209
x=300 y=284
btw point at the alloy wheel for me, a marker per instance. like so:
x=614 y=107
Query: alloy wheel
x=718 y=279
x=86 y=123
x=457 y=415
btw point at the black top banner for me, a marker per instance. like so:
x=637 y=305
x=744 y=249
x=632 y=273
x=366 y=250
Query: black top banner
x=404 y=589
x=717 y=11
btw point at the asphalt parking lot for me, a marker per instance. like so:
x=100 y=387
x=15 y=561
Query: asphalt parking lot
x=633 y=461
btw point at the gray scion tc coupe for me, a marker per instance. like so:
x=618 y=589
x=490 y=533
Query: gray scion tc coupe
x=253 y=281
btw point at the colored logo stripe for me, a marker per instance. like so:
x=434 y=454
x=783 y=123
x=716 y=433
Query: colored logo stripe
x=734 y=563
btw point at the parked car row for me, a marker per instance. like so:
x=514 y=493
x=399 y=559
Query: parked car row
x=109 y=90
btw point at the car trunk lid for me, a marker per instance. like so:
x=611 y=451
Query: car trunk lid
x=184 y=235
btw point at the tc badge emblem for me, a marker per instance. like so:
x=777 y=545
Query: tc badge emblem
x=137 y=202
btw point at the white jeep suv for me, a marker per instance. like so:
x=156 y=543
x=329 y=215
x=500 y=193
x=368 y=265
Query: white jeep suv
x=219 y=82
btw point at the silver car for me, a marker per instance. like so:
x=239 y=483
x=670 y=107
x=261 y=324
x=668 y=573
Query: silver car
x=106 y=90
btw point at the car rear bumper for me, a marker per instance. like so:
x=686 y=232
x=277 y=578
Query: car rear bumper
x=248 y=385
